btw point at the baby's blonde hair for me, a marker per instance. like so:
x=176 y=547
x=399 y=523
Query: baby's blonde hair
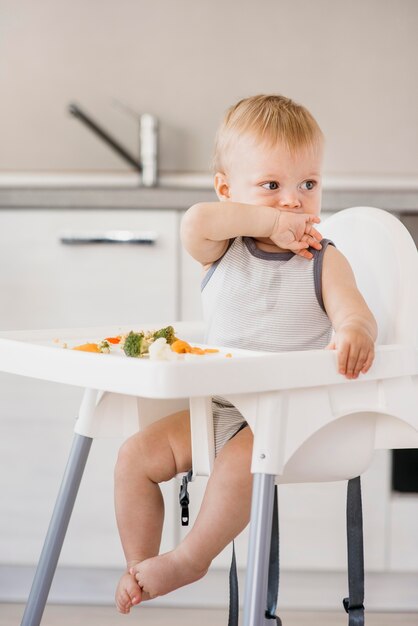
x=269 y=118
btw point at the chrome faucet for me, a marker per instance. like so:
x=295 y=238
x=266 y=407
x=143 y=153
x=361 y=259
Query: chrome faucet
x=147 y=164
x=148 y=141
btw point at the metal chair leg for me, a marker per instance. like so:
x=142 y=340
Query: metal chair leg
x=259 y=551
x=56 y=532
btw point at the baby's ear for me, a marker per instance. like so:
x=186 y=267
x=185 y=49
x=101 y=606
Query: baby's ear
x=221 y=186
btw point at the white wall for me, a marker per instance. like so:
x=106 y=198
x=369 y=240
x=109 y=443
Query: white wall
x=353 y=63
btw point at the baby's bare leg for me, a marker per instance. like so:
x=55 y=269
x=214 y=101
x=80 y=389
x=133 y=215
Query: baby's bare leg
x=224 y=513
x=152 y=456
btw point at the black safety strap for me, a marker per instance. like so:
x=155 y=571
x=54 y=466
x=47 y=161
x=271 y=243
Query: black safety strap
x=354 y=604
x=273 y=575
x=184 y=498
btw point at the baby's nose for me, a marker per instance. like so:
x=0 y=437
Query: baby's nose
x=289 y=200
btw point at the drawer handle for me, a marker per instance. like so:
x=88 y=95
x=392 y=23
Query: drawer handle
x=119 y=237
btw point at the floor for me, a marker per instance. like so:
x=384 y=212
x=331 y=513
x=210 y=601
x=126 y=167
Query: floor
x=61 y=615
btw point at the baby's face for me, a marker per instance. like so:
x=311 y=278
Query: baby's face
x=273 y=176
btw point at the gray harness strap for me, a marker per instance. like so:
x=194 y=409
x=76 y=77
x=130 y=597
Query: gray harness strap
x=354 y=604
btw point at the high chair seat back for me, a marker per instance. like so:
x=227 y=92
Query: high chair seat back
x=384 y=260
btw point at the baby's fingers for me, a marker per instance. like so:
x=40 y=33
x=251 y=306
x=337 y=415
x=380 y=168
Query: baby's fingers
x=353 y=362
x=312 y=218
x=358 y=366
x=312 y=232
x=368 y=362
x=305 y=254
x=300 y=248
x=314 y=243
x=343 y=355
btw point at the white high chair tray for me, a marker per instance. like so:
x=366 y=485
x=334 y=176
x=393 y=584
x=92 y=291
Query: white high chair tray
x=39 y=354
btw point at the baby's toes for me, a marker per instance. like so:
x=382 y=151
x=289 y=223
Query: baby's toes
x=139 y=577
x=135 y=594
x=134 y=591
x=123 y=602
x=128 y=594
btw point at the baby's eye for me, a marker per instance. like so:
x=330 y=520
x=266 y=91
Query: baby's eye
x=271 y=185
x=309 y=185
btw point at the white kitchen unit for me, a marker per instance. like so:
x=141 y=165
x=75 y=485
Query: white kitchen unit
x=72 y=268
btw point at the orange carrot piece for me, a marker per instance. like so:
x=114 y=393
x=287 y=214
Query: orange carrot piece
x=196 y=350
x=87 y=347
x=113 y=339
x=181 y=347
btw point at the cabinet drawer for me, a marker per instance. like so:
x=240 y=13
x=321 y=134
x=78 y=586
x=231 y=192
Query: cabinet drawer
x=67 y=268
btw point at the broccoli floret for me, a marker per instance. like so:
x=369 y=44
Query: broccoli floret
x=135 y=344
x=167 y=333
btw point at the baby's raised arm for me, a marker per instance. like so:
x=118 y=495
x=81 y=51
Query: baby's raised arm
x=354 y=325
x=208 y=226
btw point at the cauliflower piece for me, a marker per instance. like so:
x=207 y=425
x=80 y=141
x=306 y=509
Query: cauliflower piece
x=160 y=350
x=104 y=346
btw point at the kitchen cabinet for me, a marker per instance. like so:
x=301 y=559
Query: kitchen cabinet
x=74 y=268
x=64 y=268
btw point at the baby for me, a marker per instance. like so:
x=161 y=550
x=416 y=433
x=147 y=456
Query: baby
x=271 y=283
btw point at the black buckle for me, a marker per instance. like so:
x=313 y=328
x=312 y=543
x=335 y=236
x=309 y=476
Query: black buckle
x=268 y=615
x=352 y=609
x=184 y=500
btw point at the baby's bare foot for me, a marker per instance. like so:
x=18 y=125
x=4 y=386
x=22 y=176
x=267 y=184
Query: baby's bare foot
x=167 y=572
x=128 y=593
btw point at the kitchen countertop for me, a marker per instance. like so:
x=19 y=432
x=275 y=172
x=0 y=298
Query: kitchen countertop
x=110 y=190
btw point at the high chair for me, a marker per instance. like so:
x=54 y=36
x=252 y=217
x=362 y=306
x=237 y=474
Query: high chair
x=310 y=424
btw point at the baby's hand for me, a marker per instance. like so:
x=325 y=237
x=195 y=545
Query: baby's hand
x=295 y=232
x=355 y=350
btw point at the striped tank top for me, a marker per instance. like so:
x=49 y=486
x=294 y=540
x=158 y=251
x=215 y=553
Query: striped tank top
x=259 y=300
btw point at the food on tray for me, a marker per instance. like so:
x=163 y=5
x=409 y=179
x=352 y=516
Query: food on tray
x=182 y=347
x=87 y=347
x=102 y=346
x=136 y=344
x=160 y=350
x=114 y=340
x=160 y=345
